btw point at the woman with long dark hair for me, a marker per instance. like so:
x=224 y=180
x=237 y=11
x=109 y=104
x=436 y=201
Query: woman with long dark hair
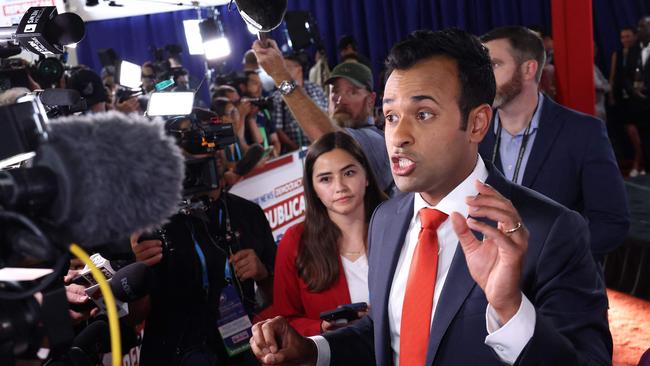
x=322 y=262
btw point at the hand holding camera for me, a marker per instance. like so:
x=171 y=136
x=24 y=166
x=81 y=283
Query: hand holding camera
x=146 y=250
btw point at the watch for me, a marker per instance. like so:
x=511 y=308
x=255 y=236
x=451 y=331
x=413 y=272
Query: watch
x=287 y=86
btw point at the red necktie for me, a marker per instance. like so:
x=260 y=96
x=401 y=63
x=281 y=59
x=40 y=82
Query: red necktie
x=418 y=299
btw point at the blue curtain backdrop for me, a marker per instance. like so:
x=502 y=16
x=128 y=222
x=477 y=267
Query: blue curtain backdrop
x=376 y=24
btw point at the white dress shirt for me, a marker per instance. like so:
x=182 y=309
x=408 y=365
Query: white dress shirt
x=356 y=275
x=645 y=52
x=507 y=340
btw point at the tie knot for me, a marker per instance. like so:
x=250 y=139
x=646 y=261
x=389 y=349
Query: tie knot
x=431 y=218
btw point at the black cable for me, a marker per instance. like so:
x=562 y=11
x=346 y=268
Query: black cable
x=47 y=280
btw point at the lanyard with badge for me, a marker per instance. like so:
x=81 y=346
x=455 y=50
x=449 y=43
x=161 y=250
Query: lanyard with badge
x=522 y=148
x=233 y=323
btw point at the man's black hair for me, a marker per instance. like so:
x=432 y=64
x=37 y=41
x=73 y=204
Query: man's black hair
x=477 y=84
x=629 y=28
x=346 y=41
x=526 y=45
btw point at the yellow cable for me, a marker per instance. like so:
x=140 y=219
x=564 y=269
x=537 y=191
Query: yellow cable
x=111 y=308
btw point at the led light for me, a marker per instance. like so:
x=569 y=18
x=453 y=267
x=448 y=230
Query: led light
x=193 y=36
x=170 y=104
x=216 y=48
x=215 y=44
x=130 y=74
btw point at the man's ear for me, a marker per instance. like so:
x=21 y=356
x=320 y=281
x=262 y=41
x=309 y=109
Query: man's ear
x=530 y=68
x=478 y=122
x=371 y=100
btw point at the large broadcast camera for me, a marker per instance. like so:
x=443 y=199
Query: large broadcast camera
x=90 y=180
x=44 y=32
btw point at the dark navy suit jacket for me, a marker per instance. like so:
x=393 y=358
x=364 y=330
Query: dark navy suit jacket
x=572 y=162
x=559 y=277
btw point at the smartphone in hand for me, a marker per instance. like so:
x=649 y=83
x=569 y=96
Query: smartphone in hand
x=348 y=312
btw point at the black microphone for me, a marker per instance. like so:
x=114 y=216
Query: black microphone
x=100 y=177
x=94 y=339
x=253 y=155
x=45 y=32
x=131 y=282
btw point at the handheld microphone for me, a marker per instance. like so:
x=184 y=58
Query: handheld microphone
x=45 y=32
x=253 y=155
x=131 y=282
x=100 y=177
x=94 y=339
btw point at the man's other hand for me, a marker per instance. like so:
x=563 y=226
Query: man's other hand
x=275 y=342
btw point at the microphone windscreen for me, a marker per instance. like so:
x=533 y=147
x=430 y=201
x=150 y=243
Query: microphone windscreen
x=131 y=282
x=253 y=155
x=60 y=97
x=117 y=174
x=264 y=15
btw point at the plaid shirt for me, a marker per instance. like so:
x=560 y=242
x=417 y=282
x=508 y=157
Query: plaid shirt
x=284 y=118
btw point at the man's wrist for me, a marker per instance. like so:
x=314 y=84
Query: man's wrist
x=507 y=311
x=280 y=77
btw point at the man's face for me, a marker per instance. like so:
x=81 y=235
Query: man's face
x=627 y=38
x=349 y=50
x=350 y=105
x=148 y=78
x=294 y=69
x=507 y=72
x=254 y=86
x=429 y=152
x=233 y=96
x=643 y=31
x=231 y=114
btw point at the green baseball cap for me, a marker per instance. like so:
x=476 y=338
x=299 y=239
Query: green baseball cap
x=355 y=72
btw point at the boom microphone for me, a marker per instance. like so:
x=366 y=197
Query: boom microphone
x=100 y=177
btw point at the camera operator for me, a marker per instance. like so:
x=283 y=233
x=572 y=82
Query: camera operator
x=208 y=255
x=243 y=109
x=148 y=77
x=91 y=88
x=252 y=90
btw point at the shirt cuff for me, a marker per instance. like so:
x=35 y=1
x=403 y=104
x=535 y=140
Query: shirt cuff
x=323 y=347
x=508 y=340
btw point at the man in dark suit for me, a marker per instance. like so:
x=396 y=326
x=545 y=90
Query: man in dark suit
x=439 y=295
x=561 y=153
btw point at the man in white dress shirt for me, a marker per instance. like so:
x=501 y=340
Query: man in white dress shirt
x=455 y=277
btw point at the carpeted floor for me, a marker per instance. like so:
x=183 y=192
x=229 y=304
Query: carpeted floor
x=629 y=322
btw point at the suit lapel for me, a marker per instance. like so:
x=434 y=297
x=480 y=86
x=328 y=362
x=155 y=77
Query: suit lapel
x=392 y=240
x=451 y=299
x=459 y=282
x=549 y=126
